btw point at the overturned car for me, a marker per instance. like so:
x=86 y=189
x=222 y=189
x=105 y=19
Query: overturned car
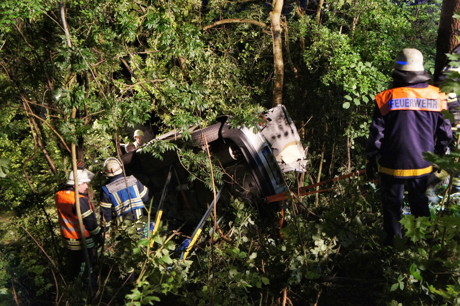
x=253 y=162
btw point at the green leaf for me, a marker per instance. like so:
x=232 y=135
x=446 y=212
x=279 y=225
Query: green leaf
x=415 y=272
x=167 y=259
x=416 y=228
x=265 y=280
x=4 y=167
x=150 y=299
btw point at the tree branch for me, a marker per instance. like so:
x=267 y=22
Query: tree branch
x=36 y=129
x=64 y=24
x=236 y=20
x=131 y=71
x=52 y=129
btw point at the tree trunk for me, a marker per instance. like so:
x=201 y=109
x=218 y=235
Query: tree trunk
x=447 y=34
x=275 y=17
x=318 y=12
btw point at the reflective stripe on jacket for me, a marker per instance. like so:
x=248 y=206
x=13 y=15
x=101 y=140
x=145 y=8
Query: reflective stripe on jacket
x=128 y=201
x=407 y=122
x=429 y=99
x=68 y=219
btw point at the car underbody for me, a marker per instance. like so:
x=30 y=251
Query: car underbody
x=252 y=162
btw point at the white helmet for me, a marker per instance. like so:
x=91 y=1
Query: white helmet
x=138 y=133
x=83 y=176
x=409 y=59
x=112 y=166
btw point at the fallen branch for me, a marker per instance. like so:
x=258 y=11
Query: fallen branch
x=303 y=190
x=236 y=20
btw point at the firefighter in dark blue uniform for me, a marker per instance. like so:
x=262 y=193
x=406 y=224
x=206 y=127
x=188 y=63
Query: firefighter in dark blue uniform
x=407 y=122
x=123 y=197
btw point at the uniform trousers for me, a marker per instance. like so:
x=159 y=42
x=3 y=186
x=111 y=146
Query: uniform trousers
x=392 y=190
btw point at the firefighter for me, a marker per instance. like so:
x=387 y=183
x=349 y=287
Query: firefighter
x=68 y=220
x=138 y=138
x=407 y=121
x=122 y=197
x=130 y=147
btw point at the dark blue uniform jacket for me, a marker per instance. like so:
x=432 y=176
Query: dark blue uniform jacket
x=407 y=122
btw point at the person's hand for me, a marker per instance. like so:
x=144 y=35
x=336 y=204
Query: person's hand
x=371 y=169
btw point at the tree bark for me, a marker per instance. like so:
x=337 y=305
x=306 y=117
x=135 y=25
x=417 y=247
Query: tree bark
x=449 y=29
x=275 y=18
x=318 y=12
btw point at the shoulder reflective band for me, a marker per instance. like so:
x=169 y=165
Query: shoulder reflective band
x=429 y=99
x=121 y=184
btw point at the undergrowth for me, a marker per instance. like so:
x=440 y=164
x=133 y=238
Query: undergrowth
x=323 y=253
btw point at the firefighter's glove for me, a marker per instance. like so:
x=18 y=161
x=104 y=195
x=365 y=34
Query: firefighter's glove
x=371 y=169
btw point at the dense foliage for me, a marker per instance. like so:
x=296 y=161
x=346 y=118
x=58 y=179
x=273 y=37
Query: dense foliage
x=168 y=65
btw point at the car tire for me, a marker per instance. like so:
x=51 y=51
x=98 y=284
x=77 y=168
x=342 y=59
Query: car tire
x=206 y=135
x=243 y=182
